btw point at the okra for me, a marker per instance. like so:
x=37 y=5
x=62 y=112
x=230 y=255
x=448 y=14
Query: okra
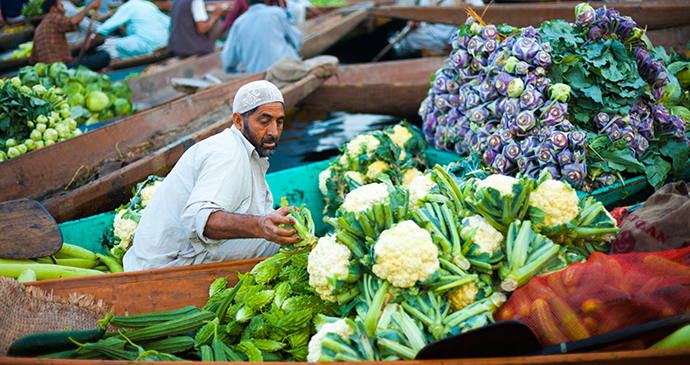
x=150 y=319
x=111 y=352
x=178 y=326
x=206 y=353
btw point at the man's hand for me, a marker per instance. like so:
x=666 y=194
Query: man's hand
x=413 y=24
x=94 y=5
x=272 y=231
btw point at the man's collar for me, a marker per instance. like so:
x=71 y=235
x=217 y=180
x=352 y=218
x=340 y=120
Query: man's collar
x=247 y=145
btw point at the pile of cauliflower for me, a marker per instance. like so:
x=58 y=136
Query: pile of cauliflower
x=127 y=218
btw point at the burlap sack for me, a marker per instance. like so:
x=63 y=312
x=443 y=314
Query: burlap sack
x=25 y=310
x=662 y=223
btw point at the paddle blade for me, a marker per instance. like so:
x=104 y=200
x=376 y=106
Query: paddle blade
x=500 y=339
x=28 y=230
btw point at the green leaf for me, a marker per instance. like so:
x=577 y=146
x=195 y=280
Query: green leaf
x=594 y=93
x=678 y=152
x=657 y=170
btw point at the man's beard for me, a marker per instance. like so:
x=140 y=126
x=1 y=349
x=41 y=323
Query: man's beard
x=260 y=149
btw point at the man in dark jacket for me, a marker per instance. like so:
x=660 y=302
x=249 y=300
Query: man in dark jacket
x=192 y=31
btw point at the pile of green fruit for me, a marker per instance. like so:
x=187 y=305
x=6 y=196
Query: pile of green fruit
x=92 y=97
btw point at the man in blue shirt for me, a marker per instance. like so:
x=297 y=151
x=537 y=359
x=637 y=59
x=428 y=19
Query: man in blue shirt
x=260 y=37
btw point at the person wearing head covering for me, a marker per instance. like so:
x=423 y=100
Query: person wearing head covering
x=260 y=37
x=215 y=205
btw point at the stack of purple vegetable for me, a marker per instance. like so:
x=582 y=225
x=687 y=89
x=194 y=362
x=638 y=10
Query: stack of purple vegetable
x=506 y=96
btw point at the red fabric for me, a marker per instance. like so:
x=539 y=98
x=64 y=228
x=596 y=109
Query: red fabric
x=50 y=43
x=605 y=294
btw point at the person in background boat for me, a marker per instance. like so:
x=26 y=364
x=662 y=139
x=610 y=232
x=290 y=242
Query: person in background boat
x=260 y=37
x=50 y=42
x=80 y=33
x=215 y=205
x=423 y=35
x=105 y=5
x=12 y=10
x=240 y=6
x=192 y=31
x=147 y=30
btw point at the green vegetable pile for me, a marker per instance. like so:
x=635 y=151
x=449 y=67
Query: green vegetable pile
x=92 y=97
x=328 y=3
x=31 y=117
x=33 y=8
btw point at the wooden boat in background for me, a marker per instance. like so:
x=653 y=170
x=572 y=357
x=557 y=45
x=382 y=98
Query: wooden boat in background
x=319 y=34
x=14 y=64
x=387 y=88
x=9 y=40
x=652 y=14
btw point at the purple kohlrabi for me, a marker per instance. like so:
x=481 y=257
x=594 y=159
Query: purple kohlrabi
x=614 y=132
x=553 y=169
x=505 y=135
x=501 y=82
x=574 y=173
x=490 y=32
x=472 y=99
x=633 y=120
x=489 y=155
x=566 y=126
x=440 y=82
x=553 y=113
x=639 y=145
x=494 y=142
x=564 y=157
x=605 y=179
x=586 y=18
x=543 y=84
x=596 y=33
x=559 y=140
x=542 y=59
x=515 y=87
x=429 y=124
x=646 y=128
x=474 y=46
x=442 y=119
x=503 y=165
x=440 y=137
x=460 y=59
x=425 y=107
x=512 y=152
x=442 y=103
x=661 y=115
x=454 y=114
x=628 y=134
x=522 y=68
x=454 y=100
x=546 y=154
x=452 y=86
x=478 y=63
x=479 y=114
x=524 y=122
x=490 y=46
x=601 y=120
x=546 y=47
x=492 y=107
x=577 y=138
x=487 y=91
x=529 y=146
x=531 y=99
x=621 y=120
x=624 y=28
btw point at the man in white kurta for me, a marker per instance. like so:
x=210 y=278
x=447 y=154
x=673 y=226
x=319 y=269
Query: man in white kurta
x=222 y=173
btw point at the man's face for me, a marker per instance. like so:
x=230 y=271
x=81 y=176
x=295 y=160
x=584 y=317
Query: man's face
x=263 y=128
x=60 y=7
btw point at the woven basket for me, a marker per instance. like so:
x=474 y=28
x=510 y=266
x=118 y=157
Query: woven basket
x=26 y=310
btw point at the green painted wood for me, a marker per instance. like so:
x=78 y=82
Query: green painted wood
x=90 y=232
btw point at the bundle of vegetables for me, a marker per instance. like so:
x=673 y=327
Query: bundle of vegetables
x=33 y=8
x=15 y=29
x=328 y=3
x=534 y=100
x=128 y=216
x=31 y=118
x=24 y=50
x=92 y=97
x=397 y=151
x=677 y=92
x=409 y=265
x=71 y=261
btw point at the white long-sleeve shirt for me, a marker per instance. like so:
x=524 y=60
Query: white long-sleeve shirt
x=223 y=172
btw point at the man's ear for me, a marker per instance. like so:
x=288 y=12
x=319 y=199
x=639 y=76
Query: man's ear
x=237 y=120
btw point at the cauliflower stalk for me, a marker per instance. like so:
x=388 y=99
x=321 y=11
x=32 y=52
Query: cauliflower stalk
x=405 y=255
x=328 y=261
x=500 y=199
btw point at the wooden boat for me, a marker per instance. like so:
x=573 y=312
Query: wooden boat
x=149 y=291
x=650 y=14
x=387 y=88
x=9 y=40
x=13 y=64
x=319 y=34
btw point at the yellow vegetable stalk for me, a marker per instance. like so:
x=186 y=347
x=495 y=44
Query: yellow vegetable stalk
x=45 y=271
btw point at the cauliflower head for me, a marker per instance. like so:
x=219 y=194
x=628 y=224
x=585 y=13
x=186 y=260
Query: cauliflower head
x=400 y=135
x=323 y=179
x=339 y=327
x=364 y=197
x=123 y=229
x=486 y=237
x=409 y=175
x=376 y=168
x=403 y=155
x=363 y=143
x=147 y=192
x=502 y=183
x=463 y=296
x=327 y=259
x=558 y=200
x=419 y=188
x=356 y=176
x=405 y=254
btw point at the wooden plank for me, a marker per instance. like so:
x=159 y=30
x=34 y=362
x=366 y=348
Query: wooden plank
x=325 y=37
x=386 y=88
x=158 y=55
x=110 y=191
x=11 y=39
x=650 y=14
x=676 y=38
x=13 y=64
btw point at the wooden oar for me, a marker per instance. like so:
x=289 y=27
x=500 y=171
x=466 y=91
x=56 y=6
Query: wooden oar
x=390 y=45
x=513 y=338
x=88 y=33
x=28 y=230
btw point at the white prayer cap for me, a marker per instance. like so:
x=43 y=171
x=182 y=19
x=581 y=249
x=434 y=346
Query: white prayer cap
x=254 y=94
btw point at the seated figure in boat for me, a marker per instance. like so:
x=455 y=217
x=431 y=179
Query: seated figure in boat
x=50 y=41
x=12 y=10
x=148 y=29
x=434 y=38
x=192 y=31
x=79 y=34
x=215 y=205
x=260 y=37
